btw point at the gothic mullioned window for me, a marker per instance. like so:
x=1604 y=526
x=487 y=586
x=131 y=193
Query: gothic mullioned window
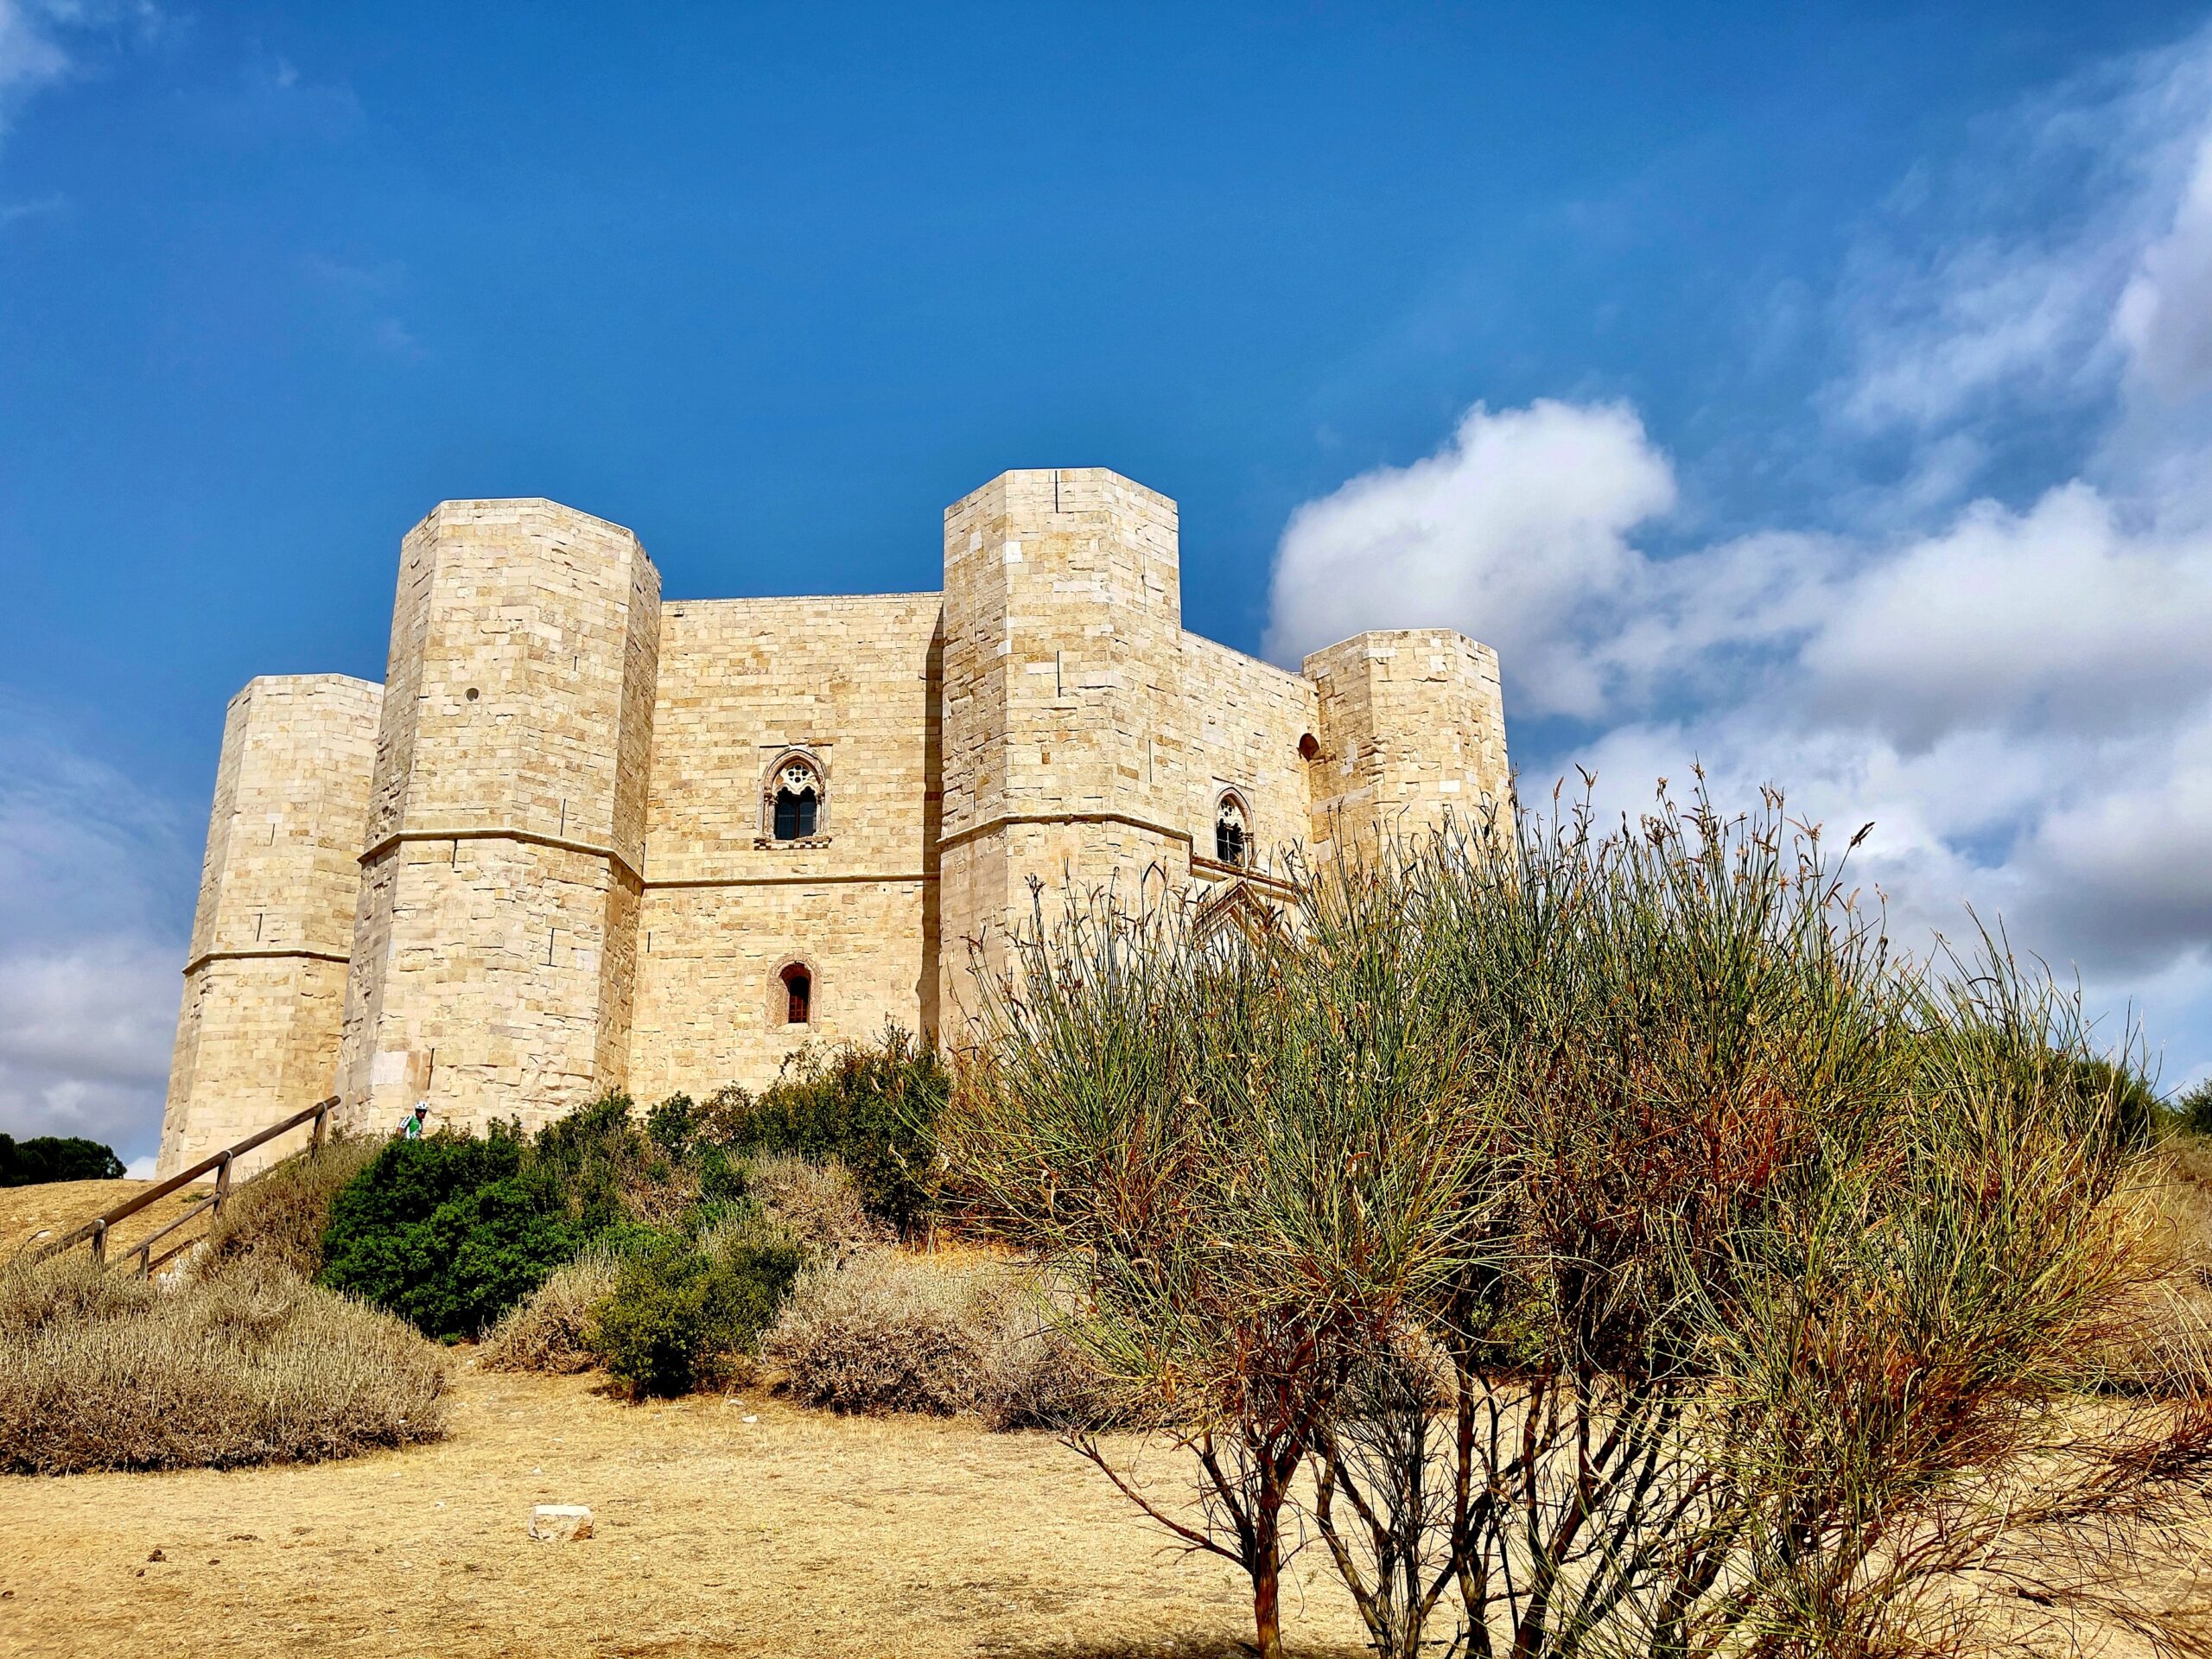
x=1232 y=829
x=793 y=800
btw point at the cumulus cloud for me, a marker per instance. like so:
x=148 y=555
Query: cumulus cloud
x=1519 y=519
x=2019 y=695
x=89 y=946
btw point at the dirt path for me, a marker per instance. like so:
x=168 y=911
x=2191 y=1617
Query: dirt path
x=796 y=1534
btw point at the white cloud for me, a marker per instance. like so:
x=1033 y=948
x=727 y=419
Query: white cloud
x=1519 y=519
x=2164 y=318
x=2020 y=696
x=36 y=42
x=89 y=951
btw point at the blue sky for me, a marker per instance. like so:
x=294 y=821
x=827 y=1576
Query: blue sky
x=1821 y=392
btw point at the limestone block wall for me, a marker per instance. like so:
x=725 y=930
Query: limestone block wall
x=853 y=684
x=1241 y=722
x=1063 y=650
x=264 y=979
x=495 y=942
x=1412 y=732
x=536 y=863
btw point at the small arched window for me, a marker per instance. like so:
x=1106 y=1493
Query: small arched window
x=798 y=994
x=1232 y=829
x=795 y=806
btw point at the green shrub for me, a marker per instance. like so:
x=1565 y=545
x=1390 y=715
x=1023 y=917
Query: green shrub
x=683 y=1312
x=872 y=1109
x=55 y=1158
x=2193 y=1109
x=449 y=1231
x=606 y=1168
x=278 y=1218
x=669 y=1126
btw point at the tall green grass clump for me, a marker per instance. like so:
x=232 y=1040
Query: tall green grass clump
x=1603 y=1244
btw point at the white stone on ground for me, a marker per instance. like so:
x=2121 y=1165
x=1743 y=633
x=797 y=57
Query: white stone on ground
x=559 y=1523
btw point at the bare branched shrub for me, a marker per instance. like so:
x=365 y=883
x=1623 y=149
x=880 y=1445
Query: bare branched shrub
x=277 y=1218
x=103 y=1370
x=547 y=1333
x=818 y=1205
x=1775 y=1283
x=884 y=1332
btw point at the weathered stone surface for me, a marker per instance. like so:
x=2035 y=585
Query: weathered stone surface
x=559 y=1523
x=539 y=862
x=265 y=972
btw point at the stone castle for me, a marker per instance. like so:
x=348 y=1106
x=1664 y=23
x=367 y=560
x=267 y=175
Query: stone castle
x=581 y=837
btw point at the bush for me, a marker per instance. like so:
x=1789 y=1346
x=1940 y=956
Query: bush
x=1036 y=1377
x=448 y=1231
x=548 y=1332
x=888 y=1332
x=684 y=1314
x=872 y=1109
x=278 y=1218
x=819 y=1205
x=104 y=1370
x=1770 y=1272
x=885 y=1332
x=55 y=1158
x=2193 y=1109
x=608 y=1171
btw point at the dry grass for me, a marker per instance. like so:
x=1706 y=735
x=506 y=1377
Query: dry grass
x=546 y=1333
x=31 y=1217
x=104 y=1370
x=885 y=1332
x=277 y=1218
x=798 y=1534
x=2168 y=1350
x=888 y=1331
x=818 y=1204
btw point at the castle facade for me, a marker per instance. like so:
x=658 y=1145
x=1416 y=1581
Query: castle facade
x=582 y=838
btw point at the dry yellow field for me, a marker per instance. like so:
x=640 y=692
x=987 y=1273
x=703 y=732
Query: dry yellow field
x=738 y=1526
x=797 y=1533
x=29 y=1216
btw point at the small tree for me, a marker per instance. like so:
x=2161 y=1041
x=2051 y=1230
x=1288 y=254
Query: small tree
x=1250 y=1156
x=1642 y=1259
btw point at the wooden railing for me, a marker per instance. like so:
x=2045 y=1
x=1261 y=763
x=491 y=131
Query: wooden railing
x=96 y=1231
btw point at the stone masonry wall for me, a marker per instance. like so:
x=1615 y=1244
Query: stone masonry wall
x=258 y=1035
x=1412 y=732
x=567 y=882
x=1063 y=655
x=1241 y=721
x=851 y=682
x=493 y=958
